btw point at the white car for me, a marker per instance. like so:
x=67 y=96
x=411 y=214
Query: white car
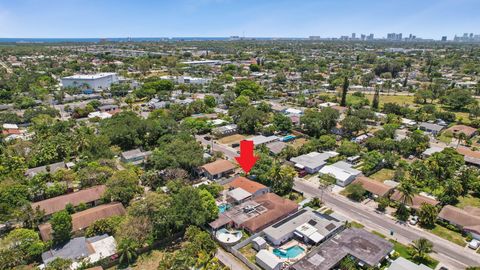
x=413 y=220
x=474 y=244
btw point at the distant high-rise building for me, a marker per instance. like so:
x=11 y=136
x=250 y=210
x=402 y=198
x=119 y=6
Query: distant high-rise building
x=363 y=37
x=353 y=35
x=444 y=38
x=370 y=37
x=314 y=37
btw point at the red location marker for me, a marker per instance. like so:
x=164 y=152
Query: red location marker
x=246 y=158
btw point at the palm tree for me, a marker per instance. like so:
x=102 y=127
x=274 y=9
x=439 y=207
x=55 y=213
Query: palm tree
x=462 y=137
x=127 y=251
x=421 y=247
x=407 y=191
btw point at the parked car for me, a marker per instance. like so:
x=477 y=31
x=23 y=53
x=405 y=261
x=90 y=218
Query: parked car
x=208 y=138
x=413 y=220
x=234 y=145
x=474 y=244
x=302 y=173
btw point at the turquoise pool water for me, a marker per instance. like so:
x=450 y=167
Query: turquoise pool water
x=289 y=253
x=223 y=207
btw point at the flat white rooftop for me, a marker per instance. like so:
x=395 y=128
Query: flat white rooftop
x=89 y=76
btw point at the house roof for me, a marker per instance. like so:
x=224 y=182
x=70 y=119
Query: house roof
x=239 y=194
x=456 y=129
x=373 y=186
x=268 y=258
x=277 y=208
x=260 y=139
x=431 y=126
x=461 y=217
x=365 y=246
x=43 y=169
x=218 y=166
x=276 y=147
x=246 y=184
x=417 y=199
x=58 y=203
x=340 y=170
x=469 y=155
x=313 y=159
x=403 y=264
x=83 y=219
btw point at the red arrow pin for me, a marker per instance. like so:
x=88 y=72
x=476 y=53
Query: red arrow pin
x=246 y=158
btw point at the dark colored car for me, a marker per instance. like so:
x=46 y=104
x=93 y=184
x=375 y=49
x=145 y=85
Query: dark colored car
x=302 y=173
x=235 y=145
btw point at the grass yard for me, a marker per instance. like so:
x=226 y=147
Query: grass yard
x=148 y=261
x=452 y=236
x=248 y=252
x=294 y=196
x=468 y=200
x=444 y=139
x=231 y=139
x=357 y=225
x=404 y=251
x=297 y=143
x=383 y=174
x=402 y=100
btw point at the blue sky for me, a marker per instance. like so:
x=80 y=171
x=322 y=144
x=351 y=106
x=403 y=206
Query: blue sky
x=253 y=18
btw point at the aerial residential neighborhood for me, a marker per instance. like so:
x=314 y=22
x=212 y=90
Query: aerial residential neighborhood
x=239 y=135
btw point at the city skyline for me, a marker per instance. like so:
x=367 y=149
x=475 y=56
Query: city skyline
x=223 y=18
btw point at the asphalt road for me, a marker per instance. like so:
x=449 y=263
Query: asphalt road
x=227 y=151
x=450 y=254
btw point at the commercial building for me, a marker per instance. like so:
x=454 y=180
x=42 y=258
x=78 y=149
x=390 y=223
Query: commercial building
x=96 y=82
x=305 y=225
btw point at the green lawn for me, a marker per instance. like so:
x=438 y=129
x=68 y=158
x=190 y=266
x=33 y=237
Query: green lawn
x=383 y=174
x=452 y=236
x=404 y=251
x=402 y=100
x=357 y=225
x=294 y=196
x=248 y=252
x=444 y=139
x=379 y=234
x=468 y=200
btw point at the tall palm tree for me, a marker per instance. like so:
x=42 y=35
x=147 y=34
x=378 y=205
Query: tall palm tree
x=407 y=191
x=421 y=247
x=462 y=137
x=127 y=251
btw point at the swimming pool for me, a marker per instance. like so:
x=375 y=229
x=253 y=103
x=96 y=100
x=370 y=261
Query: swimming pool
x=224 y=207
x=289 y=253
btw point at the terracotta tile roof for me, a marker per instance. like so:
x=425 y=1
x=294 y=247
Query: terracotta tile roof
x=246 y=184
x=461 y=217
x=456 y=129
x=373 y=186
x=218 y=166
x=278 y=208
x=83 y=219
x=11 y=131
x=56 y=204
x=418 y=200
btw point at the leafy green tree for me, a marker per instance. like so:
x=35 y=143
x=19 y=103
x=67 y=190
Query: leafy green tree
x=123 y=186
x=104 y=226
x=24 y=243
x=355 y=192
x=249 y=88
x=382 y=203
x=250 y=120
x=181 y=151
x=348 y=148
x=61 y=227
x=352 y=125
x=427 y=215
x=281 y=178
x=458 y=99
x=210 y=101
x=59 y=264
x=371 y=162
x=318 y=123
x=282 y=122
x=376 y=99
x=208 y=203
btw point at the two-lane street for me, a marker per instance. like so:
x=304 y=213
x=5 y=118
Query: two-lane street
x=229 y=152
x=454 y=256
